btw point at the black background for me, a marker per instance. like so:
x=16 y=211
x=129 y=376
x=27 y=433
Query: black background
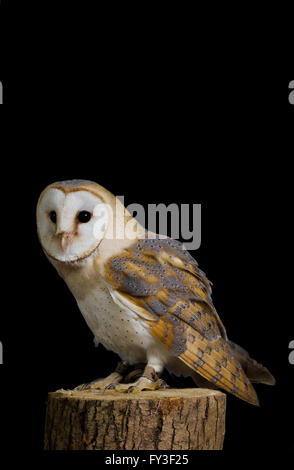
x=156 y=113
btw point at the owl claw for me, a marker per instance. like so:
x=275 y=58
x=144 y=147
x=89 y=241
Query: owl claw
x=109 y=387
x=143 y=383
x=82 y=387
x=148 y=381
x=100 y=384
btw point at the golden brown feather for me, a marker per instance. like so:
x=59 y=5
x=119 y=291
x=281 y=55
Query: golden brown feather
x=164 y=281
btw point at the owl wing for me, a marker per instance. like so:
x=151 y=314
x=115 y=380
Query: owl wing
x=161 y=283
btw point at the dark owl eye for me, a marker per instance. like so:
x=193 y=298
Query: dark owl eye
x=52 y=216
x=84 y=216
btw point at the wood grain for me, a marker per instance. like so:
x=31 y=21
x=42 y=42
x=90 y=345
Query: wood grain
x=161 y=420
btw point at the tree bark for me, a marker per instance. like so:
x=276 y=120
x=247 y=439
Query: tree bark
x=161 y=420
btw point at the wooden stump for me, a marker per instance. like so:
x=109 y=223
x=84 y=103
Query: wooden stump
x=167 y=419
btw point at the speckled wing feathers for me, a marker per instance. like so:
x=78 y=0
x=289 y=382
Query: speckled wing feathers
x=167 y=290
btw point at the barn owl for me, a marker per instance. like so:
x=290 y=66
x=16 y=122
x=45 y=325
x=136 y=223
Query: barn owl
x=142 y=295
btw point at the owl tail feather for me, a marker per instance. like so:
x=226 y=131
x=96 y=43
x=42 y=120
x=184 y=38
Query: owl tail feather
x=255 y=372
x=215 y=362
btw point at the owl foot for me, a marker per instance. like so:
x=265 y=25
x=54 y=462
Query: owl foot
x=148 y=381
x=100 y=384
x=107 y=382
x=141 y=384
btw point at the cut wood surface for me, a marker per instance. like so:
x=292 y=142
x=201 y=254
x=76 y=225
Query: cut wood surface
x=188 y=419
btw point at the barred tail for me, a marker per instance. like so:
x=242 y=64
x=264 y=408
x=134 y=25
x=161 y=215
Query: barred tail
x=255 y=372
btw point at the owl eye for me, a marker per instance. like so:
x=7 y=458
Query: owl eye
x=52 y=216
x=84 y=216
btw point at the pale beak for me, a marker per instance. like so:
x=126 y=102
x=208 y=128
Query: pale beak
x=65 y=240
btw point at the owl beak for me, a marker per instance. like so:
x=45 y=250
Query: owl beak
x=65 y=240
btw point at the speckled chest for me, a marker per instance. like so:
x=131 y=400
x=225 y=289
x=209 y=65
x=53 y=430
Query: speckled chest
x=119 y=330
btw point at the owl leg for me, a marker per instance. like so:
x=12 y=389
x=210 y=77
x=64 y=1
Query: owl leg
x=148 y=381
x=102 y=384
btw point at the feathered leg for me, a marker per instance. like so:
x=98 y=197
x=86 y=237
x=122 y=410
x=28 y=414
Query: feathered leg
x=149 y=380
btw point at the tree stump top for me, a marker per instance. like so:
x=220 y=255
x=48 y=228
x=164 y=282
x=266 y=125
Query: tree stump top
x=110 y=395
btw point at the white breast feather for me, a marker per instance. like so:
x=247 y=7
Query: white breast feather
x=117 y=327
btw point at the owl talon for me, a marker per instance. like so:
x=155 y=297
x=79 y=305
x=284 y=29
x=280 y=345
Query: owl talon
x=109 y=387
x=82 y=387
x=143 y=383
x=100 y=384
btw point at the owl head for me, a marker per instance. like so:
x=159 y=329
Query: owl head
x=72 y=219
x=75 y=218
